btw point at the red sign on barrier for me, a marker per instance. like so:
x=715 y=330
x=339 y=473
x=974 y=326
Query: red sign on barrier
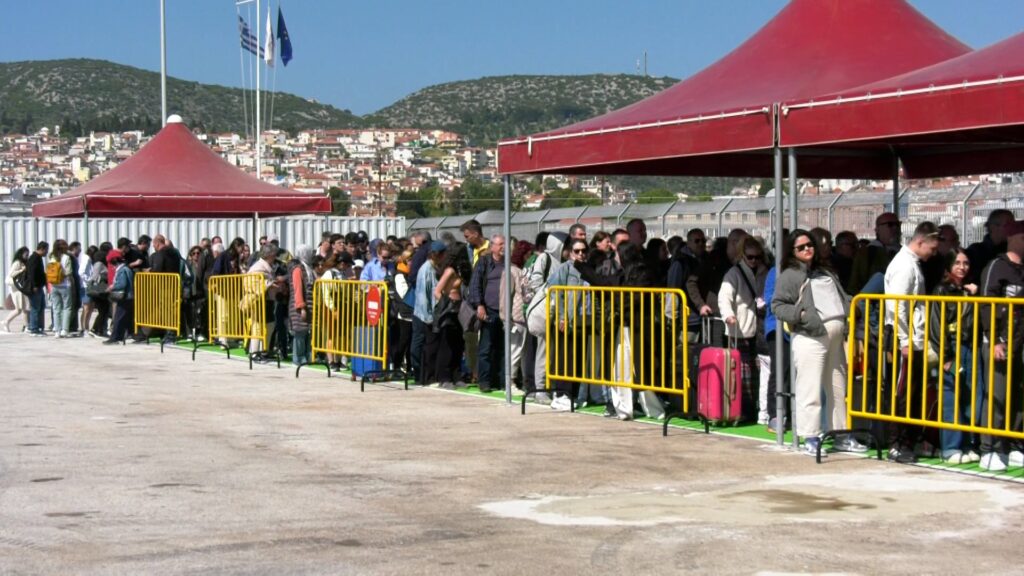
x=373 y=306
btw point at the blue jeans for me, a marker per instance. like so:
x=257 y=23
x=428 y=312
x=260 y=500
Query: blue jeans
x=952 y=440
x=36 y=311
x=60 y=298
x=491 y=360
x=300 y=348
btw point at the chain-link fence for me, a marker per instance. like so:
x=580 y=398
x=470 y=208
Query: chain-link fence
x=966 y=207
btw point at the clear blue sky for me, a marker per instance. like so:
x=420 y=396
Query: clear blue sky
x=365 y=55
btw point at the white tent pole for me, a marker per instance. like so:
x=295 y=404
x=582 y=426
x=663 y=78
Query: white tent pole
x=780 y=223
x=507 y=231
x=792 y=358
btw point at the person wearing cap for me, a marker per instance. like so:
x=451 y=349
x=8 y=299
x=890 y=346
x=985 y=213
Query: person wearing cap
x=1003 y=278
x=423 y=311
x=357 y=268
x=378 y=268
x=904 y=277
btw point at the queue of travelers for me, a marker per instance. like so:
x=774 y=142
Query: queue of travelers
x=447 y=312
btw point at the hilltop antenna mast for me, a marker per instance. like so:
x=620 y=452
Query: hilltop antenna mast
x=645 y=63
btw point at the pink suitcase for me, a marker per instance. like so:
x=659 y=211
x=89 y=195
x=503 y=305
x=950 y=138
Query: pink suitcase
x=719 y=389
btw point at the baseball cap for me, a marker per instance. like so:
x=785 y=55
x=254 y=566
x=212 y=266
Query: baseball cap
x=344 y=258
x=359 y=264
x=363 y=237
x=438 y=246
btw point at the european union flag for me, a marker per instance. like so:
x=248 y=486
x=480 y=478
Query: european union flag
x=282 y=35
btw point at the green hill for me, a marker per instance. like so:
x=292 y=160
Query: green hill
x=488 y=109
x=82 y=95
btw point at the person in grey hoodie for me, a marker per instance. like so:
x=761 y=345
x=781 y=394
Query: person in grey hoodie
x=810 y=300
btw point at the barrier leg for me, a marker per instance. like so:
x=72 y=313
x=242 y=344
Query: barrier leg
x=299 y=367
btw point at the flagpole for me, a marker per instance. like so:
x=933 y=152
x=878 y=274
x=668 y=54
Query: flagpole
x=163 y=67
x=259 y=139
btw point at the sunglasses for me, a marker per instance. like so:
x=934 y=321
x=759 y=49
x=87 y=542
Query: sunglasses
x=803 y=247
x=579 y=251
x=753 y=257
x=195 y=253
x=895 y=224
x=699 y=240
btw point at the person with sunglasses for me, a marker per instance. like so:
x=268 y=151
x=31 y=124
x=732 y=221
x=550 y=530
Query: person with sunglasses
x=809 y=299
x=874 y=258
x=741 y=302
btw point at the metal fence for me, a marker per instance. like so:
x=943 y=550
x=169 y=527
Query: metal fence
x=966 y=207
x=292 y=231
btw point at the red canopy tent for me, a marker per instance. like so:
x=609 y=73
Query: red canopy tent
x=176 y=175
x=710 y=123
x=962 y=116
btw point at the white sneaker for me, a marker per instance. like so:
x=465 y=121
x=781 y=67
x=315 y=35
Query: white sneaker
x=542 y=398
x=63 y=334
x=972 y=456
x=955 y=457
x=992 y=462
x=561 y=404
x=1016 y=459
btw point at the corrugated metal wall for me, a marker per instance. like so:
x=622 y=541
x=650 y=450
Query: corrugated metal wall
x=293 y=231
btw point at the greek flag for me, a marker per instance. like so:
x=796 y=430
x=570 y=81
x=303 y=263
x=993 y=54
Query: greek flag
x=248 y=38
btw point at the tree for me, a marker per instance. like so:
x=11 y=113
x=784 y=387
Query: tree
x=550 y=184
x=656 y=196
x=765 y=187
x=341 y=202
x=478 y=196
x=568 y=199
x=700 y=198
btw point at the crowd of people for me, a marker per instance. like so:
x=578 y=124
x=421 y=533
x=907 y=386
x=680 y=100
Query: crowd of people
x=447 y=313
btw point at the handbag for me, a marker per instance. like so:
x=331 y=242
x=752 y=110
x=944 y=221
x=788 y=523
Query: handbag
x=118 y=296
x=468 y=318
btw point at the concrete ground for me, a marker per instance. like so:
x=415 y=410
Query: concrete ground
x=120 y=460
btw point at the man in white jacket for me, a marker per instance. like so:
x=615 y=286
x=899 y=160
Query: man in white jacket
x=904 y=277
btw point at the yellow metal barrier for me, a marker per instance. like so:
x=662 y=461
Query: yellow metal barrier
x=350 y=320
x=619 y=337
x=237 y=311
x=937 y=362
x=158 y=302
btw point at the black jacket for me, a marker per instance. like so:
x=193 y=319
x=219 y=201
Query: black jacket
x=35 y=272
x=166 y=260
x=1002 y=279
x=980 y=254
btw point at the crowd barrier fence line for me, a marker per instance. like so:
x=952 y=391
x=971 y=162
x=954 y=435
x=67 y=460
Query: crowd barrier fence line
x=949 y=380
x=238 y=311
x=350 y=319
x=158 y=302
x=635 y=338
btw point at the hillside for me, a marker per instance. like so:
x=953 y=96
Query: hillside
x=101 y=95
x=500 y=106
